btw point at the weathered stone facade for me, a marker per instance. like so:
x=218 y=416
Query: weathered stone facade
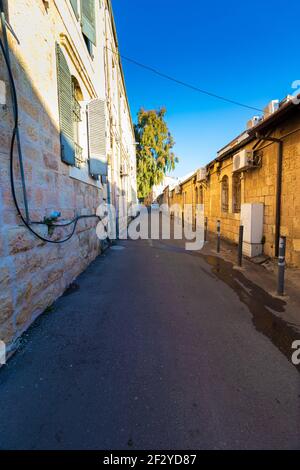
x=257 y=185
x=34 y=273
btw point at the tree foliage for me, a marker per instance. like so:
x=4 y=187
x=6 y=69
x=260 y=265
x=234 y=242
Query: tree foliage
x=154 y=150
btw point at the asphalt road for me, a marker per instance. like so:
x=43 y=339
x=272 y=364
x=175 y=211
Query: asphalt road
x=154 y=348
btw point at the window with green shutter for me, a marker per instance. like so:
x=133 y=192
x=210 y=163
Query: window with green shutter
x=74 y=4
x=97 y=137
x=65 y=104
x=88 y=20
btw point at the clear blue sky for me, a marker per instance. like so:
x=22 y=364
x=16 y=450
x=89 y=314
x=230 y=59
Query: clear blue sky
x=247 y=51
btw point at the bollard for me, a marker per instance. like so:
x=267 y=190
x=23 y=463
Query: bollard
x=240 y=247
x=205 y=229
x=218 y=236
x=281 y=265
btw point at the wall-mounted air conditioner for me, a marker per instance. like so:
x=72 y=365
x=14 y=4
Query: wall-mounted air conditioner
x=201 y=174
x=253 y=122
x=243 y=160
x=271 y=108
x=178 y=189
x=286 y=100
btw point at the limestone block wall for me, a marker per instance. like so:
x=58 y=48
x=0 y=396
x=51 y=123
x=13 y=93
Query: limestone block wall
x=33 y=273
x=257 y=186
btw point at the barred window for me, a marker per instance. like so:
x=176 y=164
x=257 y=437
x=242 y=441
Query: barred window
x=236 y=193
x=225 y=194
x=76 y=117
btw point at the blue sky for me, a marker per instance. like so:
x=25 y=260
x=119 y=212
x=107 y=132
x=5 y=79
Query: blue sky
x=246 y=51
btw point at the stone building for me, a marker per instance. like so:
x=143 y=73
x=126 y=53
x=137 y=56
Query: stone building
x=254 y=180
x=77 y=142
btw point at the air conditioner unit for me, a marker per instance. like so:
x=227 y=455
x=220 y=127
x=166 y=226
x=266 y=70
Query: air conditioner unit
x=243 y=160
x=286 y=100
x=253 y=122
x=271 y=108
x=178 y=190
x=201 y=174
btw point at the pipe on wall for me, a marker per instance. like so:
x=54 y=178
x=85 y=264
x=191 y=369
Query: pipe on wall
x=279 y=143
x=278 y=197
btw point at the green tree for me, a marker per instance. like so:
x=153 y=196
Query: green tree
x=154 y=150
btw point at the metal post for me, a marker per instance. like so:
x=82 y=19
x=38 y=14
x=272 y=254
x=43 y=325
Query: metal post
x=218 y=236
x=205 y=229
x=281 y=265
x=240 y=248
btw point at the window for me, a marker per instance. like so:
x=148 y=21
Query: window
x=236 y=193
x=74 y=4
x=82 y=134
x=76 y=119
x=97 y=137
x=65 y=99
x=225 y=194
x=89 y=45
x=88 y=20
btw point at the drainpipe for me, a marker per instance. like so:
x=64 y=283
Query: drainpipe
x=279 y=142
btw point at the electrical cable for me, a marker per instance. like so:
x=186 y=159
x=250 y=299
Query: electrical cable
x=12 y=145
x=182 y=83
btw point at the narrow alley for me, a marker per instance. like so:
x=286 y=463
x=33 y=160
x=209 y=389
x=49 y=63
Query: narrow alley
x=181 y=363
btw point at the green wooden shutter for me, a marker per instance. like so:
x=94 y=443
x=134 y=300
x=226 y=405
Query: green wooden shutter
x=88 y=19
x=65 y=108
x=97 y=137
x=74 y=4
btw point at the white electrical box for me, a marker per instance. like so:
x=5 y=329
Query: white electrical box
x=252 y=218
x=271 y=108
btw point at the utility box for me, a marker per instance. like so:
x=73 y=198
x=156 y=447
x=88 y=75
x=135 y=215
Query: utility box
x=252 y=218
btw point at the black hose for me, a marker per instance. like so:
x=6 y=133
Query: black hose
x=13 y=139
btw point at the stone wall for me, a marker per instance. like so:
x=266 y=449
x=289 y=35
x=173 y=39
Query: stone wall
x=257 y=186
x=33 y=273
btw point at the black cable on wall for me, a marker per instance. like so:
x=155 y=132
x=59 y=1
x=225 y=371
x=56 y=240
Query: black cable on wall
x=26 y=220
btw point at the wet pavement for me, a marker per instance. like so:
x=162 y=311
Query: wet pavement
x=154 y=347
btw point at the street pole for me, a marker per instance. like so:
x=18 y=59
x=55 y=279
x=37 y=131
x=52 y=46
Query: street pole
x=218 y=236
x=205 y=229
x=240 y=247
x=281 y=266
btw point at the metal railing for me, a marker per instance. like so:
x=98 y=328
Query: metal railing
x=79 y=160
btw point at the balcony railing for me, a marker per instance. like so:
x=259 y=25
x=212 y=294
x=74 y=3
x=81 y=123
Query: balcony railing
x=79 y=160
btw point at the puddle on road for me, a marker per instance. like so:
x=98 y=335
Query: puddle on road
x=261 y=304
x=117 y=248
